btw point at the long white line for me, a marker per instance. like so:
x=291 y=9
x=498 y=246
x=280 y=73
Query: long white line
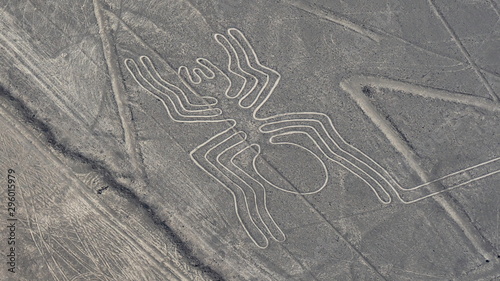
x=243 y=141
x=261 y=128
x=385 y=200
x=208 y=144
x=230 y=62
x=264 y=193
x=172 y=103
x=148 y=64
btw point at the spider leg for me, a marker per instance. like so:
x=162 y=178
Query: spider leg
x=253 y=187
x=235 y=70
x=170 y=97
x=205 y=157
x=319 y=128
x=185 y=97
x=206 y=72
x=207 y=69
x=266 y=79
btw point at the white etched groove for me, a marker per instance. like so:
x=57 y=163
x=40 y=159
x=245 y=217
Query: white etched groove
x=494 y=161
x=325 y=169
x=267 y=214
x=464 y=51
x=198 y=73
x=205 y=70
x=201 y=152
x=251 y=60
x=468 y=228
x=231 y=53
x=240 y=181
x=172 y=109
x=181 y=97
x=245 y=67
x=332 y=17
x=468 y=99
x=209 y=67
x=453 y=187
x=196 y=76
x=359 y=81
x=254 y=64
x=387 y=197
x=243 y=43
x=216 y=152
x=136 y=37
x=332 y=155
x=249 y=78
x=170 y=105
x=381 y=194
x=186 y=80
x=193 y=78
x=148 y=64
x=173 y=96
x=119 y=94
x=333 y=141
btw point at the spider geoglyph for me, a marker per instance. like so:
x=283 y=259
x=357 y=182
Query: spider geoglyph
x=246 y=86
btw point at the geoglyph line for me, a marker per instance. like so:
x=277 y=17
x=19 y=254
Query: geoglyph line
x=249 y=70
x=200 y=157
x=182 y=97
x=359 y=81
x=240 y=73
x=266 y=212
x=441 y=94
x=255 y=66
x=212 y=156
x=355 y=88
x=396 y=85
x=463 y=50
x=272 y=141
x=170 y=99
x=160 y=87
x=332 y=17
x=234 y=170
x=467 y=228
x=377 y=188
